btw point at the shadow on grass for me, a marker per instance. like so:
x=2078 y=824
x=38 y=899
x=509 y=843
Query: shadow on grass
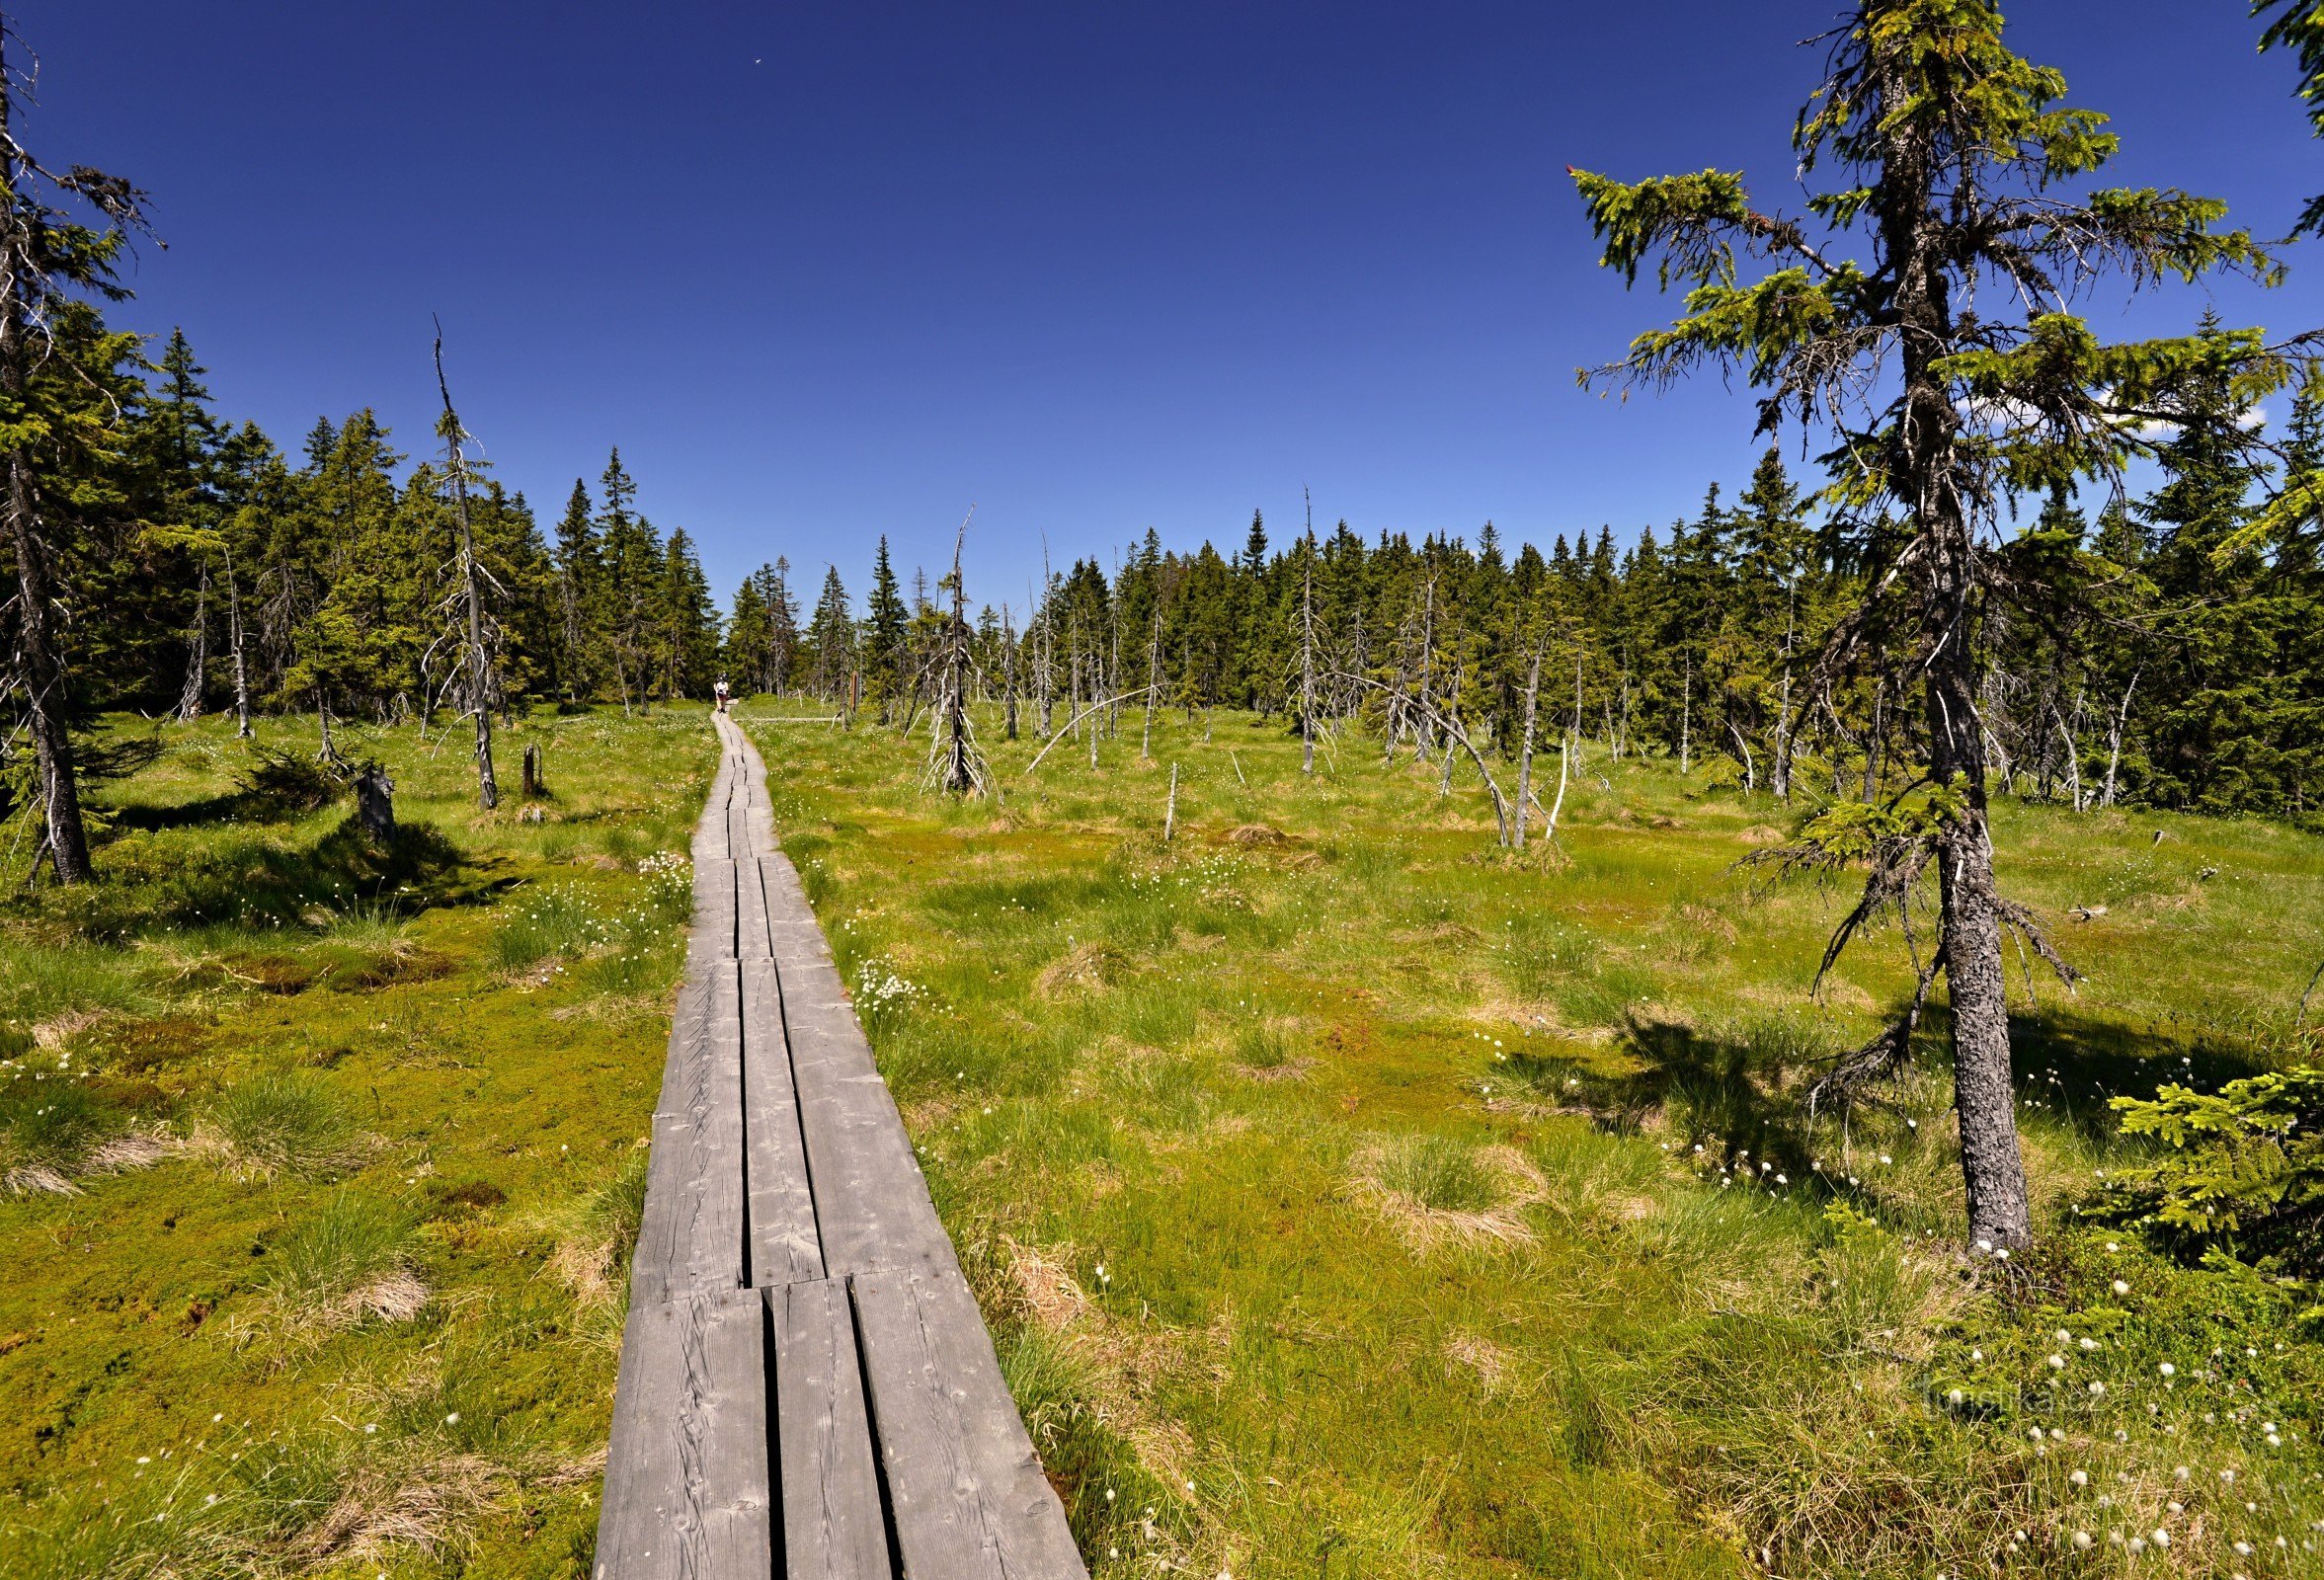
x=1739 y=1089
x=2076 y=1062
x=1728 y=1091
x=256 y=881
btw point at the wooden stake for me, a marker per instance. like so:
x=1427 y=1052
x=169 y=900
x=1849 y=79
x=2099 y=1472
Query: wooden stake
x=1170 y=812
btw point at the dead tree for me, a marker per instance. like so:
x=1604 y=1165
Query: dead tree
x=2113 y=740
x=234 y=639
x=47 y=261
x=1307 y=646
x=197 y=647
x=1525 y=748
x=1153 y=681
x=467 y=589
x=1008 y=658
x=956 y=764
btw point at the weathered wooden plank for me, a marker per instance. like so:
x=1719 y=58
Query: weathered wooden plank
x=657 y=1265
x=790 y=919
x=752 y=940
x=716 y=897
x=720 y=1255
x=965 y=1490
x=870 y=1201
x=833 y=1525
x=784 y=1245
x=689 y=1488
x=710 y=836
x=690 y=1235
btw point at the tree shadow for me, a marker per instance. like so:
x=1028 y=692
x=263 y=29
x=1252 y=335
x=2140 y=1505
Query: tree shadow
x=1706 y=1088
x=264 y=884
x=2074 y=1062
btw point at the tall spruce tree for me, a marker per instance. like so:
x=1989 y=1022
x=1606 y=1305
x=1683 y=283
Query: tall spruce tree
x=580 y=595
x=1950 y=150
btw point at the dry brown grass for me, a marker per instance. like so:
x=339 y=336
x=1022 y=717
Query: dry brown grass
x=1084 y=966
x=1435 y=1190
x=1487 y=1361
x=396 y=1509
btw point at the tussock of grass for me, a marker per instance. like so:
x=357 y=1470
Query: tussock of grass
x=595 y=1235
x=1436 y=1188
x=347 y=1265
x=423 y=1506
x=282 y=1123
x=555 y=921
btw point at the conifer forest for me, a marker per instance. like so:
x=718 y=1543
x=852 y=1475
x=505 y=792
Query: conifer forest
x=1779 y=1041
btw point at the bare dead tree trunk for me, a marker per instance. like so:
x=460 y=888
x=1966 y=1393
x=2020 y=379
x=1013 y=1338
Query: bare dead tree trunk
x=2073 y=754
x=2113 y=740
x=1170 y=811
x=1008 y=658
x=196 y=647
x=241 y=666
x=1153 y=681
x=958 y=766
x=1307 y=647
x=1525 y=750
x=468 y=587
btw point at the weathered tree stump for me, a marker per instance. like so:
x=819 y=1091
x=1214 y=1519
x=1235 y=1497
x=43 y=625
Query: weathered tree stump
x=534 y=788
x=375 y=802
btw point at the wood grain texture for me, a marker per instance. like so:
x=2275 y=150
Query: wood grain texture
x=835 y=1521
x=691 y=1236
x=754 y=938
x=786 y=1246
x=713 y=932
x=687 y=1483
x=965 y=1490
x=870 y=1201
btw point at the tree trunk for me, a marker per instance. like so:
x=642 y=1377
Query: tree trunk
x=196 y=651
x=375 y=802
x=40 y=663
x=1525 y=750
x=1927 y=477
x=43 y=675
x=2113 y=744
x=241 y=668
x=1984 y=1090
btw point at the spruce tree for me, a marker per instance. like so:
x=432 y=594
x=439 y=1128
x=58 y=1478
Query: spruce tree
x=885 y=640
x=1951 y=150
x=60 y=376
x=580 y=595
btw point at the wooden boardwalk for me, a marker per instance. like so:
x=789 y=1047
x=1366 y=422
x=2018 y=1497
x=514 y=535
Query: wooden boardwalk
x=807 y=1387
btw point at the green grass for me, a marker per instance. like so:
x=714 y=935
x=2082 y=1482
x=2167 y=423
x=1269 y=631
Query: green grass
x=318 y=1176
x=1350 y=1197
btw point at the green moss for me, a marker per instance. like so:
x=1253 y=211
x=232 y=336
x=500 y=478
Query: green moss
x=380 y=1097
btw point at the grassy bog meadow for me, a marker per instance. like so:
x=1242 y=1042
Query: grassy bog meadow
x=322 y=1155
x=1350 y=1197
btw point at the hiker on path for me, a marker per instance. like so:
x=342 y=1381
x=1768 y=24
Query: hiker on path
x=719 y=691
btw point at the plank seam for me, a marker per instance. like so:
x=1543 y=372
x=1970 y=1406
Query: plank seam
x=872 y=1414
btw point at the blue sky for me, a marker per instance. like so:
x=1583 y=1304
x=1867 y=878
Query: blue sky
x=827 y=271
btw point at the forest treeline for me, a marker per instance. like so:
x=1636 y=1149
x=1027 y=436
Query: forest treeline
x=2185 y=666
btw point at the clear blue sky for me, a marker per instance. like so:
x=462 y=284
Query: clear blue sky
x=824 y=272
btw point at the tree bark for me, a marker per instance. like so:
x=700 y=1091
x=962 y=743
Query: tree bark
x=197 y=650
x=1927 y=477
x=41 y=664
x=241 y=666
